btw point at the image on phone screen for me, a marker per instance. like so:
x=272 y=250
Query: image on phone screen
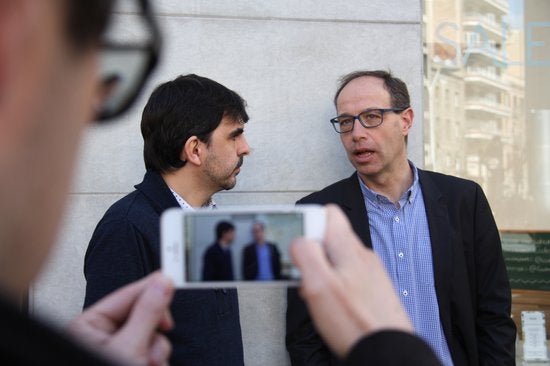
x=240 y=246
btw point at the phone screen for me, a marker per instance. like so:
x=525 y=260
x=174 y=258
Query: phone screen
x=242 y=246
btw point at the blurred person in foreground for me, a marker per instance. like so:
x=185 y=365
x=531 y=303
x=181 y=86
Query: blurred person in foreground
x=49 y=91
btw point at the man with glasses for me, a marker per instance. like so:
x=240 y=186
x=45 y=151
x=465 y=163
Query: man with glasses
x=434 y=233
x=261 y=259
x=194 y=146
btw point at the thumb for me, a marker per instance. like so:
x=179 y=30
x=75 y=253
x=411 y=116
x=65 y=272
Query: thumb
x=148 y=313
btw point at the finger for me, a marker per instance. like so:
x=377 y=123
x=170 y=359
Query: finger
x=306 y=254
x=148 y=313
x=341 y=243
x=167 y=322
x=160 y=351
x=323 y=294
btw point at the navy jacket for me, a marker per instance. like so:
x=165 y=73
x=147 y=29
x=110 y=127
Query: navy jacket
x=471 y=282
x=125 y=247
x=217 y=264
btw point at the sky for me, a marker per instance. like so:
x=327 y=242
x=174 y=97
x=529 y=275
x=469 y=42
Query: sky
x=515 y=17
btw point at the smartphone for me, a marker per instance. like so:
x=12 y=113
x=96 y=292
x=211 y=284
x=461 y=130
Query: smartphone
x=236 y=246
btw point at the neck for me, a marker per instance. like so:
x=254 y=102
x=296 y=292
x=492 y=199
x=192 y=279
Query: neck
x=188 y=187
x=391 y=184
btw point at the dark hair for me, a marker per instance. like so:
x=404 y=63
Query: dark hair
x=187 y=106
x=86 y=21
x=222 y=228
x=399 y=95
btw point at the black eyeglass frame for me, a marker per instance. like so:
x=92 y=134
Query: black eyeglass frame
x=153 y=49
x=334 y=121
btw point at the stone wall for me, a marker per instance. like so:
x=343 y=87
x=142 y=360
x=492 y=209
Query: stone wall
x=284 y=57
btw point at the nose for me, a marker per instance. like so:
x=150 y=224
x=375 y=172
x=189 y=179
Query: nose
x=358 y=131
x=244 y=149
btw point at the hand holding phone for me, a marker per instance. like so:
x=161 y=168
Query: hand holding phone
x=236 y=246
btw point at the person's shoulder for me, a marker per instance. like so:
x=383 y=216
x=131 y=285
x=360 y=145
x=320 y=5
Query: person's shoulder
x=134 y=207
x=211 y=248
x=446 y=180
x=330 y=192
x=123 y=205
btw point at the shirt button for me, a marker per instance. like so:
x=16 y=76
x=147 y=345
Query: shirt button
x=401 y=255
x=396 y=218
x=405 y=293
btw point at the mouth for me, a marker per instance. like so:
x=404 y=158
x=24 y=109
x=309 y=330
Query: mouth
x=363 y=153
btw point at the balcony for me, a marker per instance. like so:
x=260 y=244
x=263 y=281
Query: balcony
x=486 y=54
x=487 y=22
x=501 y=5
x=485 y=77
x=486 y=128
x=486 y=105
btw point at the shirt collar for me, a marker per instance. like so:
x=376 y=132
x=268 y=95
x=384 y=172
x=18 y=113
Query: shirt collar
x=408 y=196
x=186 y=206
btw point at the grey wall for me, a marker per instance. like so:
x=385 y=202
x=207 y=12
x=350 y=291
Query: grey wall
x=284 y=57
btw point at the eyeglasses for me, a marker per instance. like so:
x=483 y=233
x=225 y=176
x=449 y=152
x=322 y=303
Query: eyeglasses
x=369 y=118
x=129 y=52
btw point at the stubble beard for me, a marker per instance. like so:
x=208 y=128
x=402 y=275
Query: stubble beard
x=223 y=179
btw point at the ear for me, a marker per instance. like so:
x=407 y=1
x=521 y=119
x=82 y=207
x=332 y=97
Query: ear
x=407 y=117
x=192 y=151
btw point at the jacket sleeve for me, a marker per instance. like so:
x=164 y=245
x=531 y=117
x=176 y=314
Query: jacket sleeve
x=117 y=255
x=391 y=348
x=303 y=343
x=496 y=331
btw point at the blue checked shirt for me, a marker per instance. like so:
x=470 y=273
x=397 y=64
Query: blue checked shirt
x=401 y=238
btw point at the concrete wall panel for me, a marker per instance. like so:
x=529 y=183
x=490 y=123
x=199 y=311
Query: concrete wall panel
x=284 y=57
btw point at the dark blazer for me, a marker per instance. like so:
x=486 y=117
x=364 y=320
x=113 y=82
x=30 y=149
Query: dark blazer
x=125 y=247
x=250 y=261
x=217 y=264
x=471 y=281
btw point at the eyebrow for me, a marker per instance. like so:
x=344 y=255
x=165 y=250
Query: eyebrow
x=236 y=132
x=345 y=114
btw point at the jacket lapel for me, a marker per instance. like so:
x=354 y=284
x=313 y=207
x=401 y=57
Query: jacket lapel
x=353 y=204
x=441 y=240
